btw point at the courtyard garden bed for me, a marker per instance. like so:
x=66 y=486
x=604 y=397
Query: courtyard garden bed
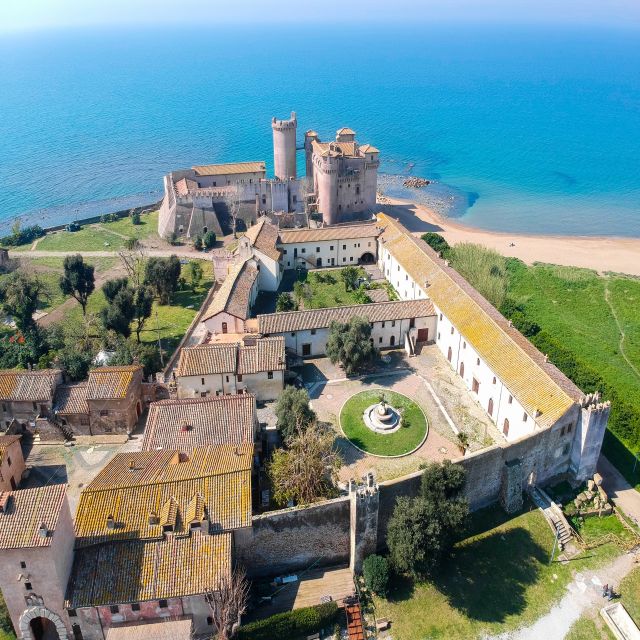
x=406 y=439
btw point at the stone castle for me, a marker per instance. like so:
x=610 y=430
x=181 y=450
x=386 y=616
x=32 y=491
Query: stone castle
x=339 y=186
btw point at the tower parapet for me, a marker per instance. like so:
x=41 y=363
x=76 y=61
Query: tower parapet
x=284 y=147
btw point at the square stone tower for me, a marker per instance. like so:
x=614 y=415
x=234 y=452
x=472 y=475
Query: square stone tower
x=36 y=554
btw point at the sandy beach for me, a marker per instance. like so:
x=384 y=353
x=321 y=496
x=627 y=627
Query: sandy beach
x=620 y=255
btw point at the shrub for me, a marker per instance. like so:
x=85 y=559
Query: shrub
x=22 y=236
x=135 y=217
x=209 y=240
x=292 y=624
x=285 y=302
x=197 y=243
x=375 y=570
x=437 y=243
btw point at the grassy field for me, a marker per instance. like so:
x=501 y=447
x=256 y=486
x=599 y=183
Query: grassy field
x=630 y=594
x=404 y=440
x=590 y=628
x=326 y=289
x=499 y=579
x=106 y=236
x=578 y=309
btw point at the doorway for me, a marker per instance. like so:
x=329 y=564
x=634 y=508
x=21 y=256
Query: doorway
x=43 y=629
x=306 y=350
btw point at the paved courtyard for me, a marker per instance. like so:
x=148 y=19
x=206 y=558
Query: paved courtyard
x=429 y=381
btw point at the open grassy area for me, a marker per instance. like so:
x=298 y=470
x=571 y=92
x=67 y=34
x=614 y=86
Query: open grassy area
x=499 y=579
x=575 y=308
x=89 y=238
x=326 y=289
x=148 y=226
x=410 y=434
x=590 y=628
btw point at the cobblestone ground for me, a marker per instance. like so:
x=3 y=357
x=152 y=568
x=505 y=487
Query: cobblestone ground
x=415 y=377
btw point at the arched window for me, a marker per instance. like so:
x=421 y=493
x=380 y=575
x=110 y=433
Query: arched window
x=490 y=408
x=462 y=369
x=224 y=327
x=449 y=354
x=505 y=427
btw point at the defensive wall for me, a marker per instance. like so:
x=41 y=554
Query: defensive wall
x=347 y=529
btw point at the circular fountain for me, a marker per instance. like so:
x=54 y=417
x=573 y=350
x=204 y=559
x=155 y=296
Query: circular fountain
x=382 y=417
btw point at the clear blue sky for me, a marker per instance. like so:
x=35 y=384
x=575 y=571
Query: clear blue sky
x=17 y=15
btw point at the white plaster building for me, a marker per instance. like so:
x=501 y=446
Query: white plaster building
x=393 y=324
x=513 y=382
x=254 y=365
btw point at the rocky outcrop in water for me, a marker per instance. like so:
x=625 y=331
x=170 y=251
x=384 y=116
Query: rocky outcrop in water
x=416 y=183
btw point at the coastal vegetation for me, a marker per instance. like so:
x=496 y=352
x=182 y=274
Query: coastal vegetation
x=404 y=440
x=470 y=597
x=588 y=324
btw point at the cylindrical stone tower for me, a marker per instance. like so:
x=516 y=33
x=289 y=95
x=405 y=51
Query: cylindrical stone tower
x=284 y=147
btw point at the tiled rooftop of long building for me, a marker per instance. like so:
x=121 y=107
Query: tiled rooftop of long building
x=29 y=517
x=140 y=495
x=31 y=386
x=264 y=236
x=234 y=296
x=165 y=630
x=338 y=232
x=136 y=571
x=71 y=399
x=111 y=383
x=319 y=318
x=198 y=422
x=540 y=387
x=265 y=354
x=229 y=168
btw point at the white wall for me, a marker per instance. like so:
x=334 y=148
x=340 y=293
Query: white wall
x=403 y=283
x=234 y=325
x=333 y=253
x=269 y=275
x=261 y=386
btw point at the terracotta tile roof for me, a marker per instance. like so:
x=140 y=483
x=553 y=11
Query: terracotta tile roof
x=184 y=186
x=334 y=148
x=136 y=571
x=26 y=510
x=5 y=443
x=267 y=354
x=229 y=168
x=346 y=131
x=32 y=386
x=198 y=422
x=320 y=318
x=234 y=296
x=165 y=630
x=369 y=148
x=139 y=489
x=71 y=399
x=111 y=383
x=536 y=384
x=201 y=360
x=338 y=232
x=264 y=237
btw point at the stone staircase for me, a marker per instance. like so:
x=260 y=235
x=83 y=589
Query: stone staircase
x=553 y=515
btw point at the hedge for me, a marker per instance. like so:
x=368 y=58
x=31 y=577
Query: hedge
x=290 y=625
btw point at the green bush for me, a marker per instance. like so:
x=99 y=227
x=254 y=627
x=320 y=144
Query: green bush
x=22 y=236
x=209 y=240
x=375 y=570
x=292 y=624
x=437 y=243
x=135 y=217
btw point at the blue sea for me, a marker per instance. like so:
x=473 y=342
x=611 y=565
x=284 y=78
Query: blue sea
x=520 y=129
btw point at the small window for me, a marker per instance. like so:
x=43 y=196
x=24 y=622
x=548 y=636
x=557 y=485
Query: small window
x=270 y=375
x=303 y=250
x=72 y=613
x=209 y=620
x=451 y=330
x=478 y=361
x=317 y=249
x=293 y=335
x=406 y=277
x=313 y=332
x=27 y=586
x=440 y=316
x=464 y=345
x=135 y=606
x=494 y=380
x=505 y=427
x=344 y=246
x=23 y=564
x=227 y=377
x=565 y=450
x=331 y=248
x=380 y=339
x=570 y=428
x=35 y=406
x=438 y=335
x=114 y=608
x=104 y=412
x=8 y=461
x=393 y=323
x=239 y=377
x=202 y=381
x=4 y=407
x=344 y=259
x=383 y=323
x=163 y=604
x=510 y=399
x=284 y=252
x=524 y=417
x=562 y=431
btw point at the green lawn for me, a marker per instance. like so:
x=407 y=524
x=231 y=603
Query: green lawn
x=594 y=528
x=571 y=307
x=590 y=628
x=326 y=289
x=89 y=238
x=410 y=434
x=148 y=226
x=499 y=579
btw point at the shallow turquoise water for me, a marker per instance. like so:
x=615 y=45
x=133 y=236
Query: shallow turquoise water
x=522 y=130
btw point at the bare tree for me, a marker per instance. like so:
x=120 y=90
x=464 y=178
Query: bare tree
x=133 y=260
x=228 y=601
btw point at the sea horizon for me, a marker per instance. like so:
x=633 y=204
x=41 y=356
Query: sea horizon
x=520 y=129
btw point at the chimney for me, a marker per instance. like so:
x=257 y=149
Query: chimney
x=153 y=518
x=510 y=323
x=184 y=426
x=132 y=465
x=111 y=523
x=4 y=501
x=43 y=532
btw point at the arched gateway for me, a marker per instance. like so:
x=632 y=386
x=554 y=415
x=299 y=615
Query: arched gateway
x=39 y=623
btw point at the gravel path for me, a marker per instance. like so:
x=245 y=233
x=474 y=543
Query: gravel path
x=583 y=593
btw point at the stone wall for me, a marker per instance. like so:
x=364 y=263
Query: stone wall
x=292 y=539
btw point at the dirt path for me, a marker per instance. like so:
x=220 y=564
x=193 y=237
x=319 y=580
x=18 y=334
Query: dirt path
x=584 y=594
x=607 y=297
x=619 y=490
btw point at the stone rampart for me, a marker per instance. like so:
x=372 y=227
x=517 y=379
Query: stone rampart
x=294 y=539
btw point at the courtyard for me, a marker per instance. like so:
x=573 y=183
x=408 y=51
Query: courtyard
x=426 y=379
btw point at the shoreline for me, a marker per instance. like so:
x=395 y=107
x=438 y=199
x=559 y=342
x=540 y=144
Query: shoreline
x=601 y=253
